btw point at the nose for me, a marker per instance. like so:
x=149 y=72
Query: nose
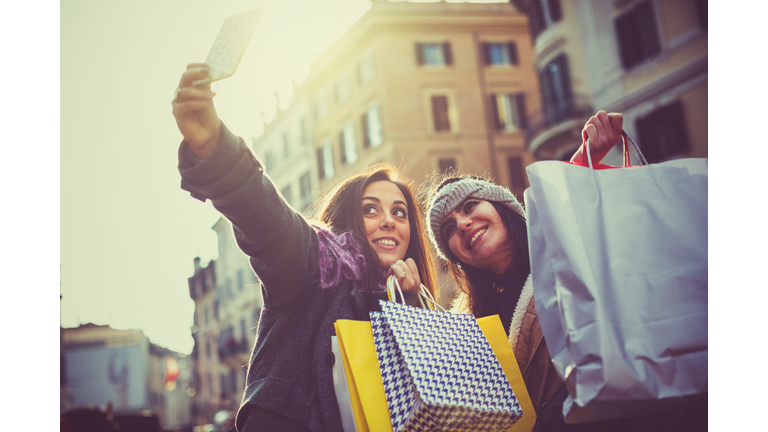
x=387 y=223
x=463 y=225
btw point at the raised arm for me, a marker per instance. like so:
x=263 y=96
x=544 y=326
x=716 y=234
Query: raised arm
x=604 y=131
x=217 y=165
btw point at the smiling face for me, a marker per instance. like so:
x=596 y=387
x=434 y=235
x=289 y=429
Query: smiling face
x=477 y=236
x=385 y=217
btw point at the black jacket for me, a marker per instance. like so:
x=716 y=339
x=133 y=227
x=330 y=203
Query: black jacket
x=289 y=382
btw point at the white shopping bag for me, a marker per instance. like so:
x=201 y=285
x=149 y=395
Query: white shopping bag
x=619 y=271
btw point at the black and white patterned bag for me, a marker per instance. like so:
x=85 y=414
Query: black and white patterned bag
x=440 y=372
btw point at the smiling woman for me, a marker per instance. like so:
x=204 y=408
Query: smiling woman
x=312 y=272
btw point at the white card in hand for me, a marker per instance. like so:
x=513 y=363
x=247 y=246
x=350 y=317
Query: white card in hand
x=230 y=45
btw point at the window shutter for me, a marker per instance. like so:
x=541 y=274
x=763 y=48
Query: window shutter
x=447 y=55
x=663 y=133
x=364 y=129
x=555 y=12
x=638 y=37
x=440 y=113
x=516 y=171
x=521 y=116
x=649 y=35
x=343 y=148
x=497 y=123
x=486 y=53
x=320 y=164
x=512 y=47
x=420 y=54
x=545 y=85
x=535 y=14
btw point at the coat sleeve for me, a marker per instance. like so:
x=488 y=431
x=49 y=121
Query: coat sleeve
x=283 y=247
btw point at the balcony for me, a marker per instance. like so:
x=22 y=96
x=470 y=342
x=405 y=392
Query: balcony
x=233 y=347
x=554 y=132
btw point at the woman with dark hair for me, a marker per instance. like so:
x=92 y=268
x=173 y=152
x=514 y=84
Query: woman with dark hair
x=312 y=273
x=479 y=230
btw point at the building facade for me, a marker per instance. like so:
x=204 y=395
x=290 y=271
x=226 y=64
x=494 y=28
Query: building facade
x=227 y=308
x=122 y=367
x=644 y=58
x=425 y=86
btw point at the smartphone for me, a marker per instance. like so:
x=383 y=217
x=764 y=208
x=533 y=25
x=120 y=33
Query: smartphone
x=230 y=45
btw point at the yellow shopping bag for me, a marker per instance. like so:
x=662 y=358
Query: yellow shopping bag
x=364 y=382
x=497 y=338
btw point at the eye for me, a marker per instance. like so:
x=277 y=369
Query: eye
x=448 y=230
x=370 y=209
x=399 y=212
x=469 y=205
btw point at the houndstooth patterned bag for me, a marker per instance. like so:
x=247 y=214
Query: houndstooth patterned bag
x=439 y=372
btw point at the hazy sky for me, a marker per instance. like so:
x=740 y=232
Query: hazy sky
x=129 y=234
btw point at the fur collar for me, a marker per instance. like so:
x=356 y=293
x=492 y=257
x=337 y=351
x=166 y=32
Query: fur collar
x=460 y=305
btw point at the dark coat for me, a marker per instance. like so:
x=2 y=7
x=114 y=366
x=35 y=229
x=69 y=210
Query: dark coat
x=289 y=382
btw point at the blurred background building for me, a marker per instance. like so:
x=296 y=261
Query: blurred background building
x=644 y=58
x=102 y=367
x=227 y=307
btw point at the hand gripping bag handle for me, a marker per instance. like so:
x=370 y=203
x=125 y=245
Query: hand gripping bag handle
x=424 y=294
x=586 y=155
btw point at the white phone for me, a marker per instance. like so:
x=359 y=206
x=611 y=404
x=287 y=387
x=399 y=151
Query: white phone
x=230 y=45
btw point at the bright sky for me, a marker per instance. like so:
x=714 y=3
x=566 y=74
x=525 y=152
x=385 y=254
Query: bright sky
x=129 y=234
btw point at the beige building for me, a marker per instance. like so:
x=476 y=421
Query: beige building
x=425 y=86
x=644 y=58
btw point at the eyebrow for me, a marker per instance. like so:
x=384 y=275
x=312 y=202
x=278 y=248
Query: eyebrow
x=379 y=201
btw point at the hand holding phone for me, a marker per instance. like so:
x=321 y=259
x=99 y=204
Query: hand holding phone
x=230 y=45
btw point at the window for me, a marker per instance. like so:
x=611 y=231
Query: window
x=440 y=113
x=210 y=383
x=325 y=160
x=348 y=144
x=240 y=281
x=305 y=191
x=242 y=328
x=205 y=314
x=662 y=133
x=229 y=288
x=223 y=384
x=269 y=159
x=516 y=172
x=446 y=164
x=556 y=90
x=286 y=192
x=321 y=106
x=500 y=53
x=543 y=13
x=207 y=347
x=366 y=69
x=434 y=54
x=286 y=146
x=342 y=89
x=233 y=378
x=304 y=127
x=637 y=34
x=509 y=111
x=372 y=130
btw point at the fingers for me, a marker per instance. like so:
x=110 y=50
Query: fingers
x=407 y=275
x=193 y=93
x=194 y=72
x=413 y=271
x=617 y=122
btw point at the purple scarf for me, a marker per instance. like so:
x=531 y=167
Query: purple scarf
x=341 y=257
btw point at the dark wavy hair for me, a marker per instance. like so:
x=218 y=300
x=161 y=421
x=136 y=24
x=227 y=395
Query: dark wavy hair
x=479 y=284
x=340 y=210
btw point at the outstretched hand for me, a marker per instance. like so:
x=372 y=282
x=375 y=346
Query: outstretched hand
x=407 y=274
x=194 y=111
x=604 y=131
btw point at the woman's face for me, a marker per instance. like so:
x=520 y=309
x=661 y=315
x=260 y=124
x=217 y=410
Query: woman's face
x=476 y=235
x=385 y=217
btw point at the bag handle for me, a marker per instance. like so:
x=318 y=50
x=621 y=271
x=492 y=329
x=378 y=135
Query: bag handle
x=423 y=294
x=586 y=155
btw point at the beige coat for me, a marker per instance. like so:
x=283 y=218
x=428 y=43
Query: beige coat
x=527 y=341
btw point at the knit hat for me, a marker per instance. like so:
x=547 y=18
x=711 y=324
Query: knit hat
x=451 y=194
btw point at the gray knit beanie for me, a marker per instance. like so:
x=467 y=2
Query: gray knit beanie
x=450 y=195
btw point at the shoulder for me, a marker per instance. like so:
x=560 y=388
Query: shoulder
x=524 y=315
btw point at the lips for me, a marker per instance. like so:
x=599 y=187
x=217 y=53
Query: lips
x=475 y=236
x=387 y=242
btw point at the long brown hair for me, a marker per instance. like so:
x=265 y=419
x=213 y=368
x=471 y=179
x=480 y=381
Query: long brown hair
x=341 y=211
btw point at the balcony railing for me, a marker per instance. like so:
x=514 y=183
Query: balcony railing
x=574 y=108
x=233 y=347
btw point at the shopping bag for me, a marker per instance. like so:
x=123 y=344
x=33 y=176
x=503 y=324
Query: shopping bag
x=619 y=271
x=493 y=330
x=362 y=377
x=439 y=371
x=342 y=388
